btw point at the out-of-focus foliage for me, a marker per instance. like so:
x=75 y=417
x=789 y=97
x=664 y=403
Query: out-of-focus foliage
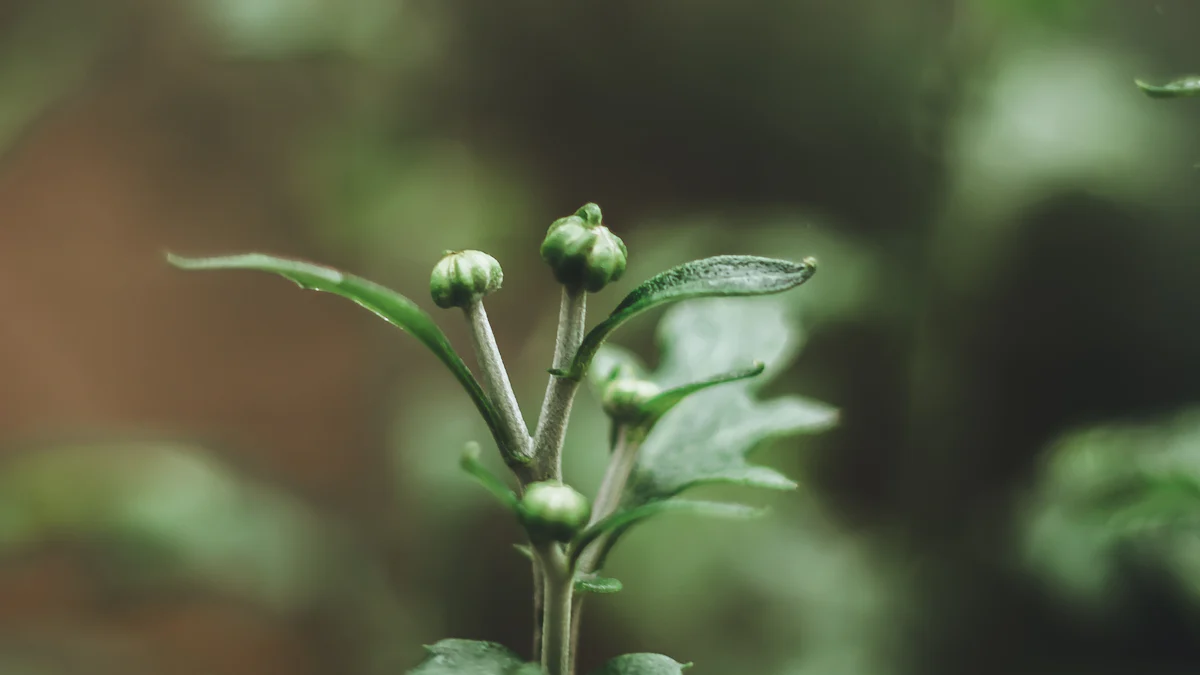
x=1007 y=235
x=1115 y=496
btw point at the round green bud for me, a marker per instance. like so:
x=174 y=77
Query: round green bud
x=553 y=511
x=624 y=398
x=582 y=252
x=462 y=277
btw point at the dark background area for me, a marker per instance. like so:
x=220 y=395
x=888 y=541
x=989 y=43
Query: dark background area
x=218 y=474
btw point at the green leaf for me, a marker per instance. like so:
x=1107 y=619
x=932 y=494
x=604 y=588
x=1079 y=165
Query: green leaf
x=383 y=302
x=597 y=585
x=662 y=404
x=643 y=664
x=471 y=657
x=726 y=275
x=1183 y=87
x=707 y=437
x=1110 y=491
x=584 y=583
x=471 y=464
x=624 y=519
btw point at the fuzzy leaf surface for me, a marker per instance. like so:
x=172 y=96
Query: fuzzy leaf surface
x=385 y=303
x=642 y=664
x=725 y=275
x=471 y=657
x=707 y=437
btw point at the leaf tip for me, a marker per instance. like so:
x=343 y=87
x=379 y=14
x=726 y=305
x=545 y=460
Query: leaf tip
x=179 y=261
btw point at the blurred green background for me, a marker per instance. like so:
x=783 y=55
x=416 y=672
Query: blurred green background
x=218 y=474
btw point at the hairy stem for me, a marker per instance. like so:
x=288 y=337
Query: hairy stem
x=495 y=379
x=560 y=391
x=556 y=624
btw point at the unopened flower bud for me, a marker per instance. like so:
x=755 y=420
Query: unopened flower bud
x=462 y=277
x=582 y=252
x=553 y=511
x=624 y=398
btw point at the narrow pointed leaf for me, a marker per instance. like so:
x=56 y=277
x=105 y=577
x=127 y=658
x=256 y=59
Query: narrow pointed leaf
x=623 y=520
x=471 y=464
x=471 y=657
x=727 y=275
x=383 y=302
x=1183 y=87
x=662 y=404
x=597 y=585
x=584 y=583
x=643 y=664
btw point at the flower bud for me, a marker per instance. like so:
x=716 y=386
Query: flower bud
x=553 y=511
x=582 y=252
x=624 y=398
x=462 y=277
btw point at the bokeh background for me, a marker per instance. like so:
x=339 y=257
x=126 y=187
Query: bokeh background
x=217 y=474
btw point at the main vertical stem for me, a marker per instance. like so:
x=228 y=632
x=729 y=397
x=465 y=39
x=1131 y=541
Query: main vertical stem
x=547 y=465
x=556 y=624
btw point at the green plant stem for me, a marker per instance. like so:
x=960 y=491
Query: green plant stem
x=495 y=379
x=620 y=467
x=626 y=443
x=556 y=624
x=560 y=391
x=539 y=604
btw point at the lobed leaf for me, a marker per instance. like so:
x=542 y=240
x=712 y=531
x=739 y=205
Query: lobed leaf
x=385 y=303
x=726 y=275
x=471 y=657
x=1183 y=87
x=708 y=437
x=643 y=664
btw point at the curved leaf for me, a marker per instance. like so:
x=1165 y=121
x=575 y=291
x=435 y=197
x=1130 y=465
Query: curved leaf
x=662 y=404
x=471 y=657
x=643 y=664
x=1183 y=87
x=622 y=520
x=383 y=302
x=471 y=464
x=726 y=275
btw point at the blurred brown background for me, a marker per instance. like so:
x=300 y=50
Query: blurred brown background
x=221 y=474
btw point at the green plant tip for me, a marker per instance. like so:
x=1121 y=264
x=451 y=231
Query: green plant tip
x=624 y=399
x=552 y=511
x=583 y=253
x=463 y=277
x=590 y=213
